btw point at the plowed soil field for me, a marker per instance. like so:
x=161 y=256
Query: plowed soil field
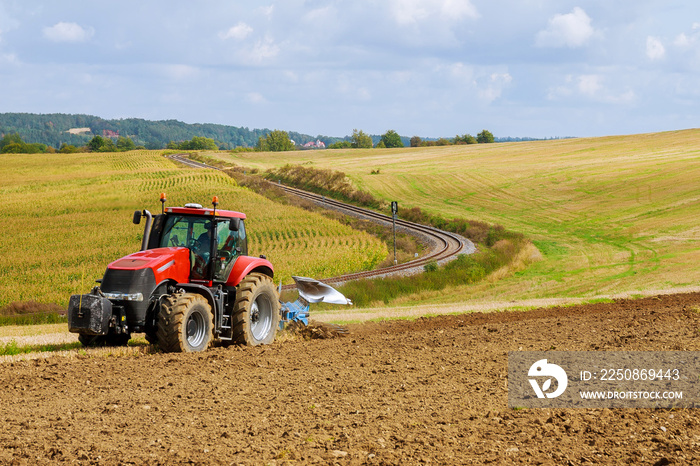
x=433 y=390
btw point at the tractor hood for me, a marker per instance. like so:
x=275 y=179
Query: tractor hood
x=166 y=263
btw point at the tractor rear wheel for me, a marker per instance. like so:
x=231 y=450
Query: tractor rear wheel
x=256 y=312
x=185 y=324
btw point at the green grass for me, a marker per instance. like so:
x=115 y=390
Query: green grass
x=610 y=215
x=11 y=348
x=465 y=269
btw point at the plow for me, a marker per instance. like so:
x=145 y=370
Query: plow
x=193 y=284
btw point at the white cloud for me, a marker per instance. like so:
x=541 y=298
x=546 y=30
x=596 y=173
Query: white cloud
x=589 y=84
x=655 y=49
x=591 y=87
x=68 y=32
x=267 y=10
x=9 y=59
x=462 y=72
x=352 y=89
x=458 y=9
x=255 y=98
x=681 y=40
x=239 y=32
x=262 y=51
x=321 y=15
x=684 y=40
x=494 y=86
x=569 y=30
x=180 y=72
x=414 y=11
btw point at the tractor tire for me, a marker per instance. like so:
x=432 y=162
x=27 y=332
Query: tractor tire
x=104 y=340
x=151 y=338
x=92 y=341
x=256 y=312
x=185 y=324
x=121 y=339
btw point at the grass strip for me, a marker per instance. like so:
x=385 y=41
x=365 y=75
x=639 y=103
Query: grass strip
x=11 y=348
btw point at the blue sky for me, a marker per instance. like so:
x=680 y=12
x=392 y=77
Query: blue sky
x=538 y=68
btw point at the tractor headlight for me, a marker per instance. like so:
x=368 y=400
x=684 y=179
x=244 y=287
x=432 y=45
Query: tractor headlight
x=124 y=296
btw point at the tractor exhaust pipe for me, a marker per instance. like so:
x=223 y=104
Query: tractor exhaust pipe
x=147 y=228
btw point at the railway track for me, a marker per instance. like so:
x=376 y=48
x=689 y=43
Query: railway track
x=443 y=246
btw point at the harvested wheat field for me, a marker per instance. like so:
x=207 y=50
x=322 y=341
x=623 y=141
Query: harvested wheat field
x=433 y=390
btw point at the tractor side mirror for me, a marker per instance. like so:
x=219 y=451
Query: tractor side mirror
x=137 y=217
x=234 y=224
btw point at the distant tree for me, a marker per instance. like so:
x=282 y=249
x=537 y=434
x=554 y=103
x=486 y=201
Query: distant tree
x=381 y=145
x=466 y=139
x=68 y=149
x=416 y=141
x=275 y=141
x=96 y=144
x=392 y=139
x=35 y=148
x=8 y=139
x=201 y=143
x=13 y=144
x=124 y=144
x=14 y=148
x=442 y=142
x=341 y=145
x=196 y=143
x=484 y=137
x=360 y=140
x=108 y=146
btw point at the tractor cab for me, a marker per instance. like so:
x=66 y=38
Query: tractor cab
x=215 y=238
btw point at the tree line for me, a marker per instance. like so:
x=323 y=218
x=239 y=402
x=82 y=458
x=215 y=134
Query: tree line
x=13 y=144
x=53 y=130
x=279 y=140
x=32 y=133
x=484 y=137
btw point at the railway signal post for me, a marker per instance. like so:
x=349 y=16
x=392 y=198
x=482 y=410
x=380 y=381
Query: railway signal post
x=394 y=211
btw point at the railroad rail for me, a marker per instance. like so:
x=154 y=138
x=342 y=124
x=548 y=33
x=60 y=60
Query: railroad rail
x=443 y=246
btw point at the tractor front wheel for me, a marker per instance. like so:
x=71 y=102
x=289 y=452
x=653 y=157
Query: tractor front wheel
x=111 y=339
x=92 y=340
x=185 y=324
x=256 y=312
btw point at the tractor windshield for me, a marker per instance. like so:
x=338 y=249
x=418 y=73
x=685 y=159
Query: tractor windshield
x=194 y=233
x=228 y=248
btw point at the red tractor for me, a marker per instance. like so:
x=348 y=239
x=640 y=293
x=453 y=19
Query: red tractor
x=191 y=283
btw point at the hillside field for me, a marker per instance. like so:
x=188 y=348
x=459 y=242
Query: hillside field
x=610 y=215
x=65 y=217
